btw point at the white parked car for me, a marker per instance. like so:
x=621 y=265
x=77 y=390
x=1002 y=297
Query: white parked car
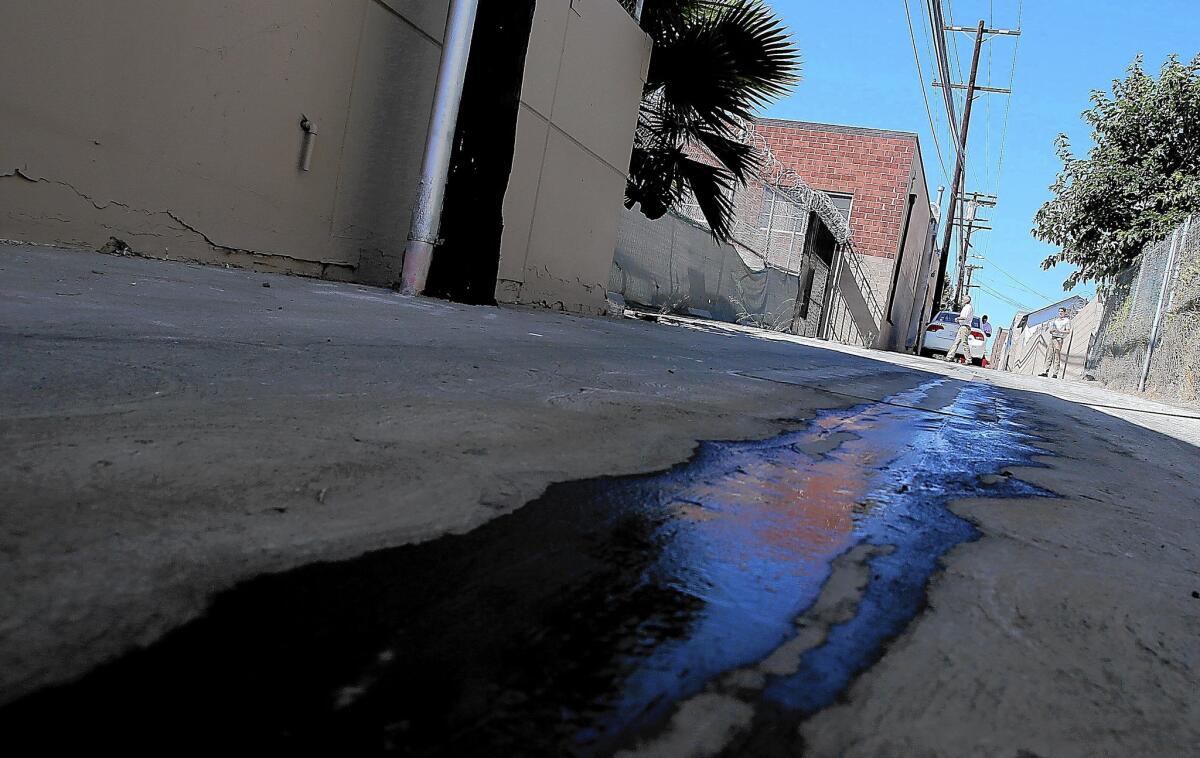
x=939 y=336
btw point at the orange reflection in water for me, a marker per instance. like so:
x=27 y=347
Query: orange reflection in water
x=790 y=503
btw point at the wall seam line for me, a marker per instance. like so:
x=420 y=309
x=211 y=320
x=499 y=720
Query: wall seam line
x=404 y=19
x=337 y=183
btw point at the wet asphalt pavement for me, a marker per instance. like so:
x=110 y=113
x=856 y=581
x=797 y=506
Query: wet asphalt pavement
x=580 y=623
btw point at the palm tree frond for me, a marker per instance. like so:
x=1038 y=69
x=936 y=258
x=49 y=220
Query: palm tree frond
x=712 y=186
x=738 y=157
x=715 y=63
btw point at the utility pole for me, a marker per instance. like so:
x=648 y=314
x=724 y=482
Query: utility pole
x=964 y=245
x=959 y=166
x=973 y=223
x=968 y=225
x=960 y=163
x=971 y=269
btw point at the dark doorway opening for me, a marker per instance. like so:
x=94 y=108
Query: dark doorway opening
x=466 y=261
x=814 y=284
x=899 y=262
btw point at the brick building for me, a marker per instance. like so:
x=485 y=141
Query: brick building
x=879 y=177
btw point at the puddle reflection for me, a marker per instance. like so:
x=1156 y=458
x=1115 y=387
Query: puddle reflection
x=570 y=626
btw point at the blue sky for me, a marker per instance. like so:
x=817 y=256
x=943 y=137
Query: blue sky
x=859 y=70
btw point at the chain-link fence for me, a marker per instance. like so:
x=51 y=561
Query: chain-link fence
x=672 y=265
x=634 y=7
x=1147 y=336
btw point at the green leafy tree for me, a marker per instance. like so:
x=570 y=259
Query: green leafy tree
x=1138 y=182
x=714 y=63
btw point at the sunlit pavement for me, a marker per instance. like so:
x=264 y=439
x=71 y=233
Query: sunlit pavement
x=1178 y=421
x=579 y=623
x=316 y=516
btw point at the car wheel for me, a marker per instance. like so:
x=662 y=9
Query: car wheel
x=977 y=361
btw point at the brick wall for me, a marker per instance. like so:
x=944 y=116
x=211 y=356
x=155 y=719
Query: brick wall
x=872 y=165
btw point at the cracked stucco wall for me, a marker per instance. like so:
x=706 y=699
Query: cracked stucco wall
x=176 y=128
x=584 y=74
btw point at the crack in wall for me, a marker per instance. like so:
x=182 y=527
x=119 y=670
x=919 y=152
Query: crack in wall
x=19 y=173
x=23 y=173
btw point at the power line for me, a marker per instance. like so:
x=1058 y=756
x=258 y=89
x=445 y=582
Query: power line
x=937 y=25
x=1003 y=144
x=924 y=95
x=959 y=171
x=1014 y=306
x=931 y=49
x=954 y=42
x=925 y=31
x=1003 y=298
x=987 y=137
x=981 y=174
x=1021 y=284
x=1012 y=73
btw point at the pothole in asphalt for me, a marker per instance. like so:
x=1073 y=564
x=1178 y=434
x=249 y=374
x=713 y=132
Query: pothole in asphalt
x=583 y=622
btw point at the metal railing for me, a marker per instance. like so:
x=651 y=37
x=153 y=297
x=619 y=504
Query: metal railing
x=773 y=213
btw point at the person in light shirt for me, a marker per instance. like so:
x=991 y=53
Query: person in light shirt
x=1059 y=329
x=985 y=326
x=965 y=316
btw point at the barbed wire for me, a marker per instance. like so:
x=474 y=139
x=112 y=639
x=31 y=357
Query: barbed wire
x=785 y=179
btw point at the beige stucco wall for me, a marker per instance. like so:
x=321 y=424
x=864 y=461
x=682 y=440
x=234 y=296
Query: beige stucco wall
x=1084 y=326
x=175 y=126
x=584 y=74
x=1029 y=349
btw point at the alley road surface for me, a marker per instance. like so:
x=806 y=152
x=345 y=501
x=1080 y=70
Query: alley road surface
x=253 y=510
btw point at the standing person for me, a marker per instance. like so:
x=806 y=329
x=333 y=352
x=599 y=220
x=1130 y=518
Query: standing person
x=1059 y=329
x=985 y=326
x=965 y=316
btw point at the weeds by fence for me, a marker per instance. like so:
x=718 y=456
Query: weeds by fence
x=1147 y=337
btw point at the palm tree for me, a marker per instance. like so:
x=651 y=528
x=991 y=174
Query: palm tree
x=714 y=63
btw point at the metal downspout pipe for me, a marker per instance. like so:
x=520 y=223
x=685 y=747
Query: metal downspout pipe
x=439 y=144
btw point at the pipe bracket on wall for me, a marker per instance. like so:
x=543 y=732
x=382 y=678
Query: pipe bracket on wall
x=310 y=137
